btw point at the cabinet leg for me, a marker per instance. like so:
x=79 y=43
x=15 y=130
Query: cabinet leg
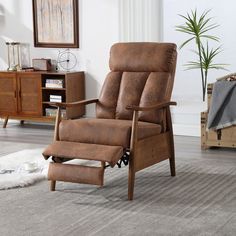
x=52 y=185
x=5 y=122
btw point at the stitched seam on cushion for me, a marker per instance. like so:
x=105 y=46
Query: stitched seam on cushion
x=142 y=92
x=115 y=110
x=144 y=87
x=118 y=94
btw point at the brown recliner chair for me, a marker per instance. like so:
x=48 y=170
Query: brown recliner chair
x=133 y=120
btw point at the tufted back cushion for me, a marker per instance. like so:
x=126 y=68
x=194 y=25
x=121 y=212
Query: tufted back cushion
x=141 y=74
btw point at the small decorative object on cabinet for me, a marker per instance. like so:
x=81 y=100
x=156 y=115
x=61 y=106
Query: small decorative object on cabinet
x=66 y=60
x=223 y=137
x=13 y=55
x=42 y=64
x=26 y=95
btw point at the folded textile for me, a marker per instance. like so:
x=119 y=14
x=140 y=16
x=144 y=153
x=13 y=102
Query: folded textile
x=228 y=77
x=222 y=111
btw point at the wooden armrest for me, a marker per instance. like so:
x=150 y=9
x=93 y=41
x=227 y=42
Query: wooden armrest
x=152 y=107
x=74 y=104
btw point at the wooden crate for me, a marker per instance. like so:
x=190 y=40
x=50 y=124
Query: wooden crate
x=225 y=137
x=209 y=95
x=222 y=138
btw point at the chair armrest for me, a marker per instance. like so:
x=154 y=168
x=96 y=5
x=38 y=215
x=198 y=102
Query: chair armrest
x=136 y=110
x=152 y=107
x=74 y=104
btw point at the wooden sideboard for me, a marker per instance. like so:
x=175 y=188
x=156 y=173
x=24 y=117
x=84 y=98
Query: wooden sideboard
x=26 y=95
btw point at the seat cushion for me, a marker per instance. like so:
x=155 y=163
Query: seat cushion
x=104 y=131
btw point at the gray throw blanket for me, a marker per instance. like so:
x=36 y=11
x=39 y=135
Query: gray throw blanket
x=222 y=111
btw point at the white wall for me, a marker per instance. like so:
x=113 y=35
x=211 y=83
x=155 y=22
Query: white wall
x=187 y=90
x=102 y=23
x=99 y=29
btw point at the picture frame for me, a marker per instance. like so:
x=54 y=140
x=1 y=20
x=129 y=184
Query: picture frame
x=56 y=23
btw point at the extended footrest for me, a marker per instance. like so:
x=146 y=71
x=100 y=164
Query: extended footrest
x=76 y=173
x=87 y=151
x=79 y=173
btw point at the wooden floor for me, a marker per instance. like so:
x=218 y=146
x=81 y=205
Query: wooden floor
x=17 y=137
x=200 y=200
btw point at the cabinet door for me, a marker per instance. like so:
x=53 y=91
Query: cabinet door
x=8 y=98
x=29 y=94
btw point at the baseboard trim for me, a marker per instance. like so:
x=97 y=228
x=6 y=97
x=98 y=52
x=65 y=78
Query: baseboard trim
x=187 y=130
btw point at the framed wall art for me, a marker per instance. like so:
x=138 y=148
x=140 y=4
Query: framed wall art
x=56 y=23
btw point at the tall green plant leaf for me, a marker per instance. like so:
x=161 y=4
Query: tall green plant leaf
x=207 y=59
x=198 y=28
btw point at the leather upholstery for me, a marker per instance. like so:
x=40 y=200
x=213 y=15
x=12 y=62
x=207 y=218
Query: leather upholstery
x=141 y=74
x=75 y=150
x=76 y=173
x=104 y=131
x=140 y=57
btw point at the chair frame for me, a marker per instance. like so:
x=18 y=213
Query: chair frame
x=143 y=153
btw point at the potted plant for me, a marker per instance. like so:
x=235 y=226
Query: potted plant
x=198 y=29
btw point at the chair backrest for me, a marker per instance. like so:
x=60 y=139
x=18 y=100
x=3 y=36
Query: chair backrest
x=141 y=74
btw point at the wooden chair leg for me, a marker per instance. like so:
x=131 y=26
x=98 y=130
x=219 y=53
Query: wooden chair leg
x=133 y=144
x=172 y=147
x=53 y=185
x=131 y=183
x=172 y=157
x=5 y=122
x=103 y=164
x=172 y=165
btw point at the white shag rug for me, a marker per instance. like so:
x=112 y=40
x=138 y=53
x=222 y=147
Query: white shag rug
x=13 y=168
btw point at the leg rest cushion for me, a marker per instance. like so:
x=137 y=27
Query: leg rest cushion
x=73 y=150
x=76 y=173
